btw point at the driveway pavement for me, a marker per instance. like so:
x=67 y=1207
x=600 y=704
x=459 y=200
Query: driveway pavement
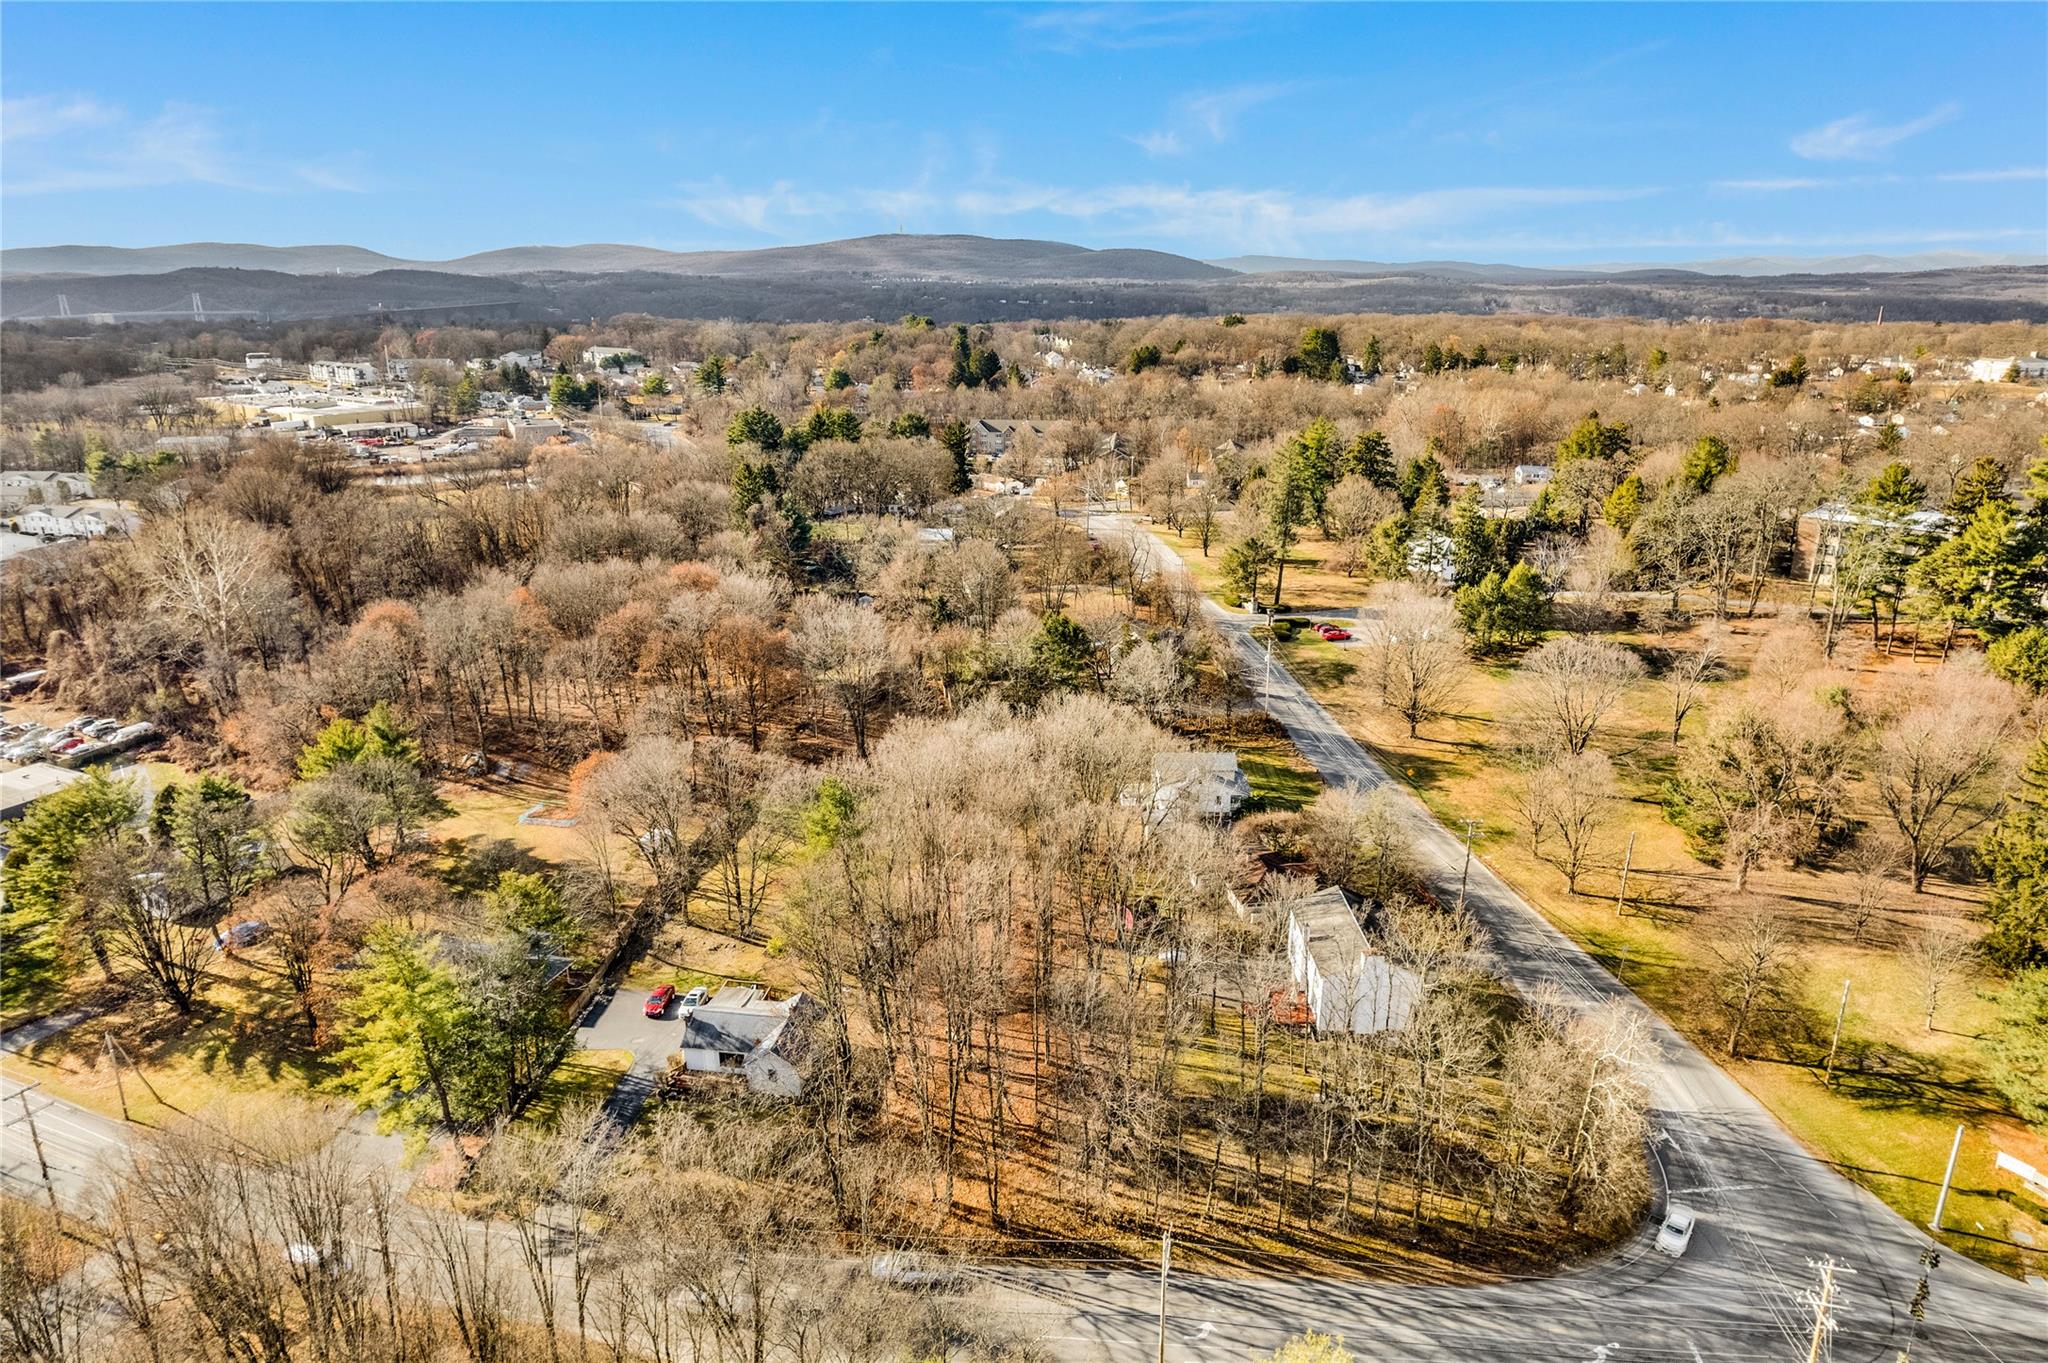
x=31 y=1034
x=621 y=1024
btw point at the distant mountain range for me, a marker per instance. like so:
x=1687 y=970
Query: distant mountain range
x=902 y=255
x=895 y=255
x=969 y=278
x=1734 y=265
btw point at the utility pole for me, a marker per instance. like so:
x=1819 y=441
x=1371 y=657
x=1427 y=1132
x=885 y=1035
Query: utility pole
x=1465 y=874
x=121 y=1055
x=35 y=1139
x=1947 y=1177
x=1823 y=1300
x=1165 y=1260
x=114 y=1059
x=1930 y=1259
x=1827 y=1077
x=1628 y=859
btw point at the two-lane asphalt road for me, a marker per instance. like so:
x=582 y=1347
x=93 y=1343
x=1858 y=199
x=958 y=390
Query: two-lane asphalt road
x=1769 y=1210
x=76 y=1144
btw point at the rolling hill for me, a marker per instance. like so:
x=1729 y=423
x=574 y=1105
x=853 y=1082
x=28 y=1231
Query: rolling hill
x=951 y=278
x=895 y=255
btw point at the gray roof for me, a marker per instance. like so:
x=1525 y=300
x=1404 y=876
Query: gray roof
x=1335 y=939
x=739 y=1020
x=730 y=1032
x=1180 y=766
x=23 y=786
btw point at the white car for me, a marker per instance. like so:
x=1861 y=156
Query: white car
x=1676 y=1232
x=31 y=744
x=901 y=1268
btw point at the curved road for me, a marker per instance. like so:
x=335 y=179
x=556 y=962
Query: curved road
x=1769 y=1210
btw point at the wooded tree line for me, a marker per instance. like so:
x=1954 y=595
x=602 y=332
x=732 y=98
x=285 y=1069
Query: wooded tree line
x=1023 y=968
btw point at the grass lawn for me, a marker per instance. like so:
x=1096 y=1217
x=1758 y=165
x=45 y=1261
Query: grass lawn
x=1901 y=1088
x=1308 y=585
x=583 y=1077
x=246 y=1043
x=483 y=812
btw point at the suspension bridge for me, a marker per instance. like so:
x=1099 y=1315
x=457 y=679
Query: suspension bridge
x=59 y=308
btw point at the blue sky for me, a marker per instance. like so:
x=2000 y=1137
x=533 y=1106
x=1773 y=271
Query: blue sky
x=1527 y=133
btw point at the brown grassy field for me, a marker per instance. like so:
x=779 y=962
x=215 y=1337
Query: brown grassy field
x=1901 y=1088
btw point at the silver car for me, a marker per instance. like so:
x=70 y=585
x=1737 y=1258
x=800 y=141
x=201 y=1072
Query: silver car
x=1676 y=1233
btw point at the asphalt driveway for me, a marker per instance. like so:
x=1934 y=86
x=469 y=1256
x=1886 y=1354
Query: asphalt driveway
x=622 y=1025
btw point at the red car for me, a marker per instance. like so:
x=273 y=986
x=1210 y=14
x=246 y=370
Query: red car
x=659 y=1000
x=1333 y=633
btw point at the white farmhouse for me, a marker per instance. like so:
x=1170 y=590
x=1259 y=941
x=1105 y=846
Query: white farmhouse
x=2029 y=368
x=25 y=487
x=1209 y=785
x=1348 y=986
x=66 y=522
x=596 y=355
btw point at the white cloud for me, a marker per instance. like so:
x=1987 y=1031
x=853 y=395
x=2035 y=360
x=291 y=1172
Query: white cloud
x=1783 y=184
x=1856 y=138
x=1770 y=186
x=1124 y=27
x=68 y=145
x=1990 y=176
x=37 y=116
x=1160 y=143
x=1210 y=116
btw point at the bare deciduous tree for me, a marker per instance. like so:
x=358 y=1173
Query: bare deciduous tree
x=1759 y=955
x=1568 y=686
x=1687 y=671
x=1580 y=793
x=153 y=919
x=644 y=794
x=1871 y=861
x=1415 y=653
x=1147 y=676
x=1940 y=958
x=846 y=653
x=1935 y=764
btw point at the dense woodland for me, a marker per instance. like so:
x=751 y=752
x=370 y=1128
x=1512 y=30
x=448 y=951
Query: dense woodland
x=904 y=765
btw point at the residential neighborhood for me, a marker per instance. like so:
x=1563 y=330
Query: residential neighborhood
x=1032 y=721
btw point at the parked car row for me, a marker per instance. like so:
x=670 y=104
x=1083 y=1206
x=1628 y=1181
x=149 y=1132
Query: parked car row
x=73 y=743
x=658 y=1002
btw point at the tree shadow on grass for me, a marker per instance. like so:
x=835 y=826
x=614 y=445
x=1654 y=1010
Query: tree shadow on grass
x=259 y=1036
x=1276 y=785
x=1883 y=1076
x=475 y=861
